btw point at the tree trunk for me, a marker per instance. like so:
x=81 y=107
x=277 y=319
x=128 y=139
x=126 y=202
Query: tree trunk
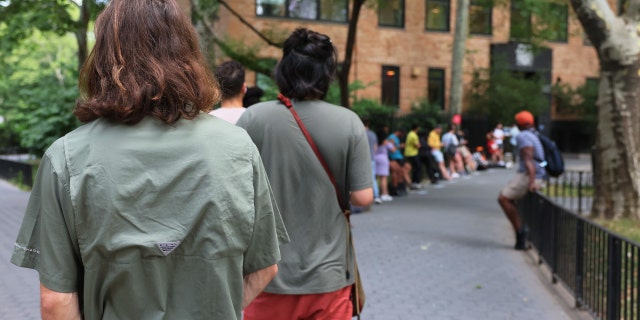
x=457 y=61
x=81 y=32
x=203 y=13
x=343 y=74
x=617 y=171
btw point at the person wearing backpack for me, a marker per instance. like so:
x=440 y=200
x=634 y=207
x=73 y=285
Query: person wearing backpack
x=529 y=176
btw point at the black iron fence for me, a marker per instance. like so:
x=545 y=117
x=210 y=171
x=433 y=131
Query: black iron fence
x=20 y=172
x=599 y=267
x=573 y=190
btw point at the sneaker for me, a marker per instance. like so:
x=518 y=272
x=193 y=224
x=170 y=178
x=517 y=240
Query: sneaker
x=415 y=186
x=521 y=239
x=386 y=198
x=455 y=175
x=377 y=200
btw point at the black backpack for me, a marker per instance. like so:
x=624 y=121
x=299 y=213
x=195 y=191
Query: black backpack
x=553 y=162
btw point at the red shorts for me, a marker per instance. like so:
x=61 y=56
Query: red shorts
x=322 y=306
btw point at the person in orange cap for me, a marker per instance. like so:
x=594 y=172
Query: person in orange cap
x=529 y=177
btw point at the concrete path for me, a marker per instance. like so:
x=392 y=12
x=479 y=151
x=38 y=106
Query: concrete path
x=441 y=254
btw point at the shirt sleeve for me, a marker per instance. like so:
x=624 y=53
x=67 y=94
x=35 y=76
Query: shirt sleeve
x=46 y=241
x=269 y=231
x=360 y=162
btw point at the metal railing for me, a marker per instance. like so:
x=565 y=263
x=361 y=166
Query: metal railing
x=599 y=267
x=20 y=171
x=573 y=190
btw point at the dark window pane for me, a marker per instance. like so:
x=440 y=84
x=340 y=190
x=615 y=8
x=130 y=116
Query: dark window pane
x=391 y=13
x=556 y=22
x=334 y=10
x=437 y=15
x=327 y=10
x=520 y=21
x=271 y=8
x=480 y=17
x=436 y=86
x=390 y=86
x=303 y=9
x=623 y=5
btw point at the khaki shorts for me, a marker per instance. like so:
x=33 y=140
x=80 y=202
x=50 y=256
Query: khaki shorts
x=519 y=186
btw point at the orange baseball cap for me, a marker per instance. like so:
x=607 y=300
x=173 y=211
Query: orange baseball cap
x=524 y=118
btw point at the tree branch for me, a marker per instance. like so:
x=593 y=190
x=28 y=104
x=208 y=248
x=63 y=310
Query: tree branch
x=596 y=18
x=633 y=10
x=245 y=22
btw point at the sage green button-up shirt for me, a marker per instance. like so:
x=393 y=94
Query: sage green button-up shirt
x=151 y=221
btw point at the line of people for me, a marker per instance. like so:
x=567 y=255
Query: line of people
x=402 y=161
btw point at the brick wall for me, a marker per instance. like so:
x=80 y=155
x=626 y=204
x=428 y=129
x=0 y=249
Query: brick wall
x=411 y=48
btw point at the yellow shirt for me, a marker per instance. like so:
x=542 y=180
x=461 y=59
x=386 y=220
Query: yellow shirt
x=434 y=140
x=411 y=145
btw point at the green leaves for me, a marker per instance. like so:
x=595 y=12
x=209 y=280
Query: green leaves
x=38 y=90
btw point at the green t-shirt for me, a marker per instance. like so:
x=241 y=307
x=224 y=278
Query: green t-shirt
x=315 y=261
x=151 y=221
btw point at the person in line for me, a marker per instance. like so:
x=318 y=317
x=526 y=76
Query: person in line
x=494 y=150
x=230 y=77
x=529 y=176
x=450 y=144
x=372 y=138
x=435 y=144
x=152 y=209
x=411 y=153
x=400 y=168
x=316 y=271
x=252 y=96
x=381 y=158
x=428 y=162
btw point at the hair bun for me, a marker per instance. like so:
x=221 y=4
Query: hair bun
x=309 y=43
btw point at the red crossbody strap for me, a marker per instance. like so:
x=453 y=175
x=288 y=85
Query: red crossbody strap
x=306 y=134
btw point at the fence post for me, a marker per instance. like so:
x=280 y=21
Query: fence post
x=554 y=243
x=580 y=192
x=613 y=277
x=579 y=263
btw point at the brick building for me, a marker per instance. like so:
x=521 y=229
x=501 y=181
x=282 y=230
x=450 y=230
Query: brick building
x=405 y=47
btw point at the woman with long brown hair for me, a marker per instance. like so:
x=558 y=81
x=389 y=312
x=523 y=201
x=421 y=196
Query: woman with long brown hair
x=152 y=208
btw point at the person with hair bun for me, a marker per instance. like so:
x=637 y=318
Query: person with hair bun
x=152 y=209
x=316 y=270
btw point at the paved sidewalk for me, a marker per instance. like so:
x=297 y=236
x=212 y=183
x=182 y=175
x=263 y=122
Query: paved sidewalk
x=446 y=254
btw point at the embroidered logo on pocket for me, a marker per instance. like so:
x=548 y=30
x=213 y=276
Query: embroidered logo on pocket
x=167 y=247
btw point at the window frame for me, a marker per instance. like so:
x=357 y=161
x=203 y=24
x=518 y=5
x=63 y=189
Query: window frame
x=442 y=81
x=488 y=10
x=402 y=20
x=287 y=13
x=446 y=3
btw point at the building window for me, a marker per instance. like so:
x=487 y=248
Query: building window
x=435 y=87
x=480 y=17
x=437 y=15
x=556 y=22
x=325 y=10
x=520 y=28
x=391 y=13
x=391 y=86
x=623 y=5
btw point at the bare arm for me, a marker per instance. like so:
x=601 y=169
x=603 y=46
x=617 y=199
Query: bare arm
x=362 y=198
x=255 y=282
x=59 y=305
x=529 y=166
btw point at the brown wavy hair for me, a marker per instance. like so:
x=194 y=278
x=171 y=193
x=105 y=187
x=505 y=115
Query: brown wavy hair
x=146 y=62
